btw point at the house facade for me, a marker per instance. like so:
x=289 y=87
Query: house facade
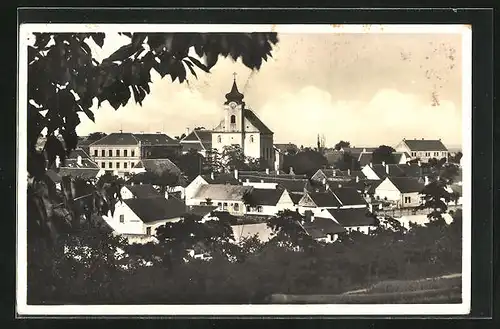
x=423 y=149
x=120 y=152
x=404 y=192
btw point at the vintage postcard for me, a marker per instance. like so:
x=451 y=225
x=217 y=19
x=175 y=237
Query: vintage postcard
x=244 y=170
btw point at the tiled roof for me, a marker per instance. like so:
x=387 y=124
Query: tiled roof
x=266 y=197
x=272 y=173
x=320 y=227
x=353 y=217
x=155 y=139
x=117 y=139
x=85 y=173
x=256 y=122
x=203 y=137
x=425 y=145
x=222 y=192
x=407 y=184
x=324 y=199
x=349 y=196
x=155 y=209
x=143 y=191
x=221 y=179
x=158 y=165
x=394 y=170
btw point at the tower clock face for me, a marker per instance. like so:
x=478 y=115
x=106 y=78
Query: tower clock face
x=232 y=105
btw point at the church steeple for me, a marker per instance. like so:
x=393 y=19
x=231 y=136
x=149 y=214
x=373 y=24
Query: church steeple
x=234 y=95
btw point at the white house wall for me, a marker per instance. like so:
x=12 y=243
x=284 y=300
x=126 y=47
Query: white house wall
x=369 y=173
x=386 y=189
x=191 y=190
x=131 y=225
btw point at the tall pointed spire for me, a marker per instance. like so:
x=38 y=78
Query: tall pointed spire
x=234 y=95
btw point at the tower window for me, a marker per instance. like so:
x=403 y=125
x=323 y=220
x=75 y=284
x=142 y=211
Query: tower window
x=251 y=138
x=219 y=139
x=233 y=118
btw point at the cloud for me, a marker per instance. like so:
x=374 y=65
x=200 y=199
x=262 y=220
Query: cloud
x=389 y=116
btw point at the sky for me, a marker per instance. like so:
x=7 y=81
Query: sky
x=368 y=89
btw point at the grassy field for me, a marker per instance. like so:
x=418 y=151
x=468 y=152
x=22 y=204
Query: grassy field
x=425 y=291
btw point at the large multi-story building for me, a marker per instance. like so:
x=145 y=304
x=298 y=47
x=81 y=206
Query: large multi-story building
x=423 y=149
x=120 y=152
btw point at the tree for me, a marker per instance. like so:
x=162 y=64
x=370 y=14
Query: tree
x=180 y=137
x=288 y=231
x=164 y=179
x=64 y=78
x=383 y=154
x=232 y=157
x=455 y=158
x=191 y=164
x=347 y=161
x=213 y=161
x=448 y=172
x=96 y=136
x=435 y=197
x=342 y=145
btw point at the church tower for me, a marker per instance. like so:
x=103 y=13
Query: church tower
x=233 y=110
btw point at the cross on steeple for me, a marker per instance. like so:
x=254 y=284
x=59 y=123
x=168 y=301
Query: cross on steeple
x=234 y=75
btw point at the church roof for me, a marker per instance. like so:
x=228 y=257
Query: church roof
x=256 y=122
x=234 y=95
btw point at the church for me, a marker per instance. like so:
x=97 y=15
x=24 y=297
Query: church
x=239 y=126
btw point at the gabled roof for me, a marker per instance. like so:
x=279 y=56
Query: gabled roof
x=158 y=165
x=381 y=170
x=425 y=145
x=324 y=199
x=155 y=139
x=320 y=227
x=349 y=196
x=117 y=139
x=200 y=210
x=365 y=158
x=155 y=209
x=296 y=197
x=143 y=191
x=222 y=192
x=256 y=122
x=407 y=184
x=266 y=197
x=353 y=217
x=85 y=173
x=200 y=138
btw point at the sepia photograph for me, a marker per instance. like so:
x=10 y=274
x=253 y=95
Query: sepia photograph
x=244 y=169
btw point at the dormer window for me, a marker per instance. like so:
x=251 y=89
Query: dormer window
x=233 y=119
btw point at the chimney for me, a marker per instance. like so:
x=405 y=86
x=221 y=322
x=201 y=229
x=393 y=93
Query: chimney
x=187 y=131
x=383 y=163
x=277 y=171
x=79 y=160
x=212 y=176
x=364 y=150
x=348 y=172
x=236 y=173
x=267 y=171
x=357 y=179
x=426 y=180
x=387 y=169
x=131 y=183
x=58 y=161
x=248 y=180
x=370 y=206
x=371 y=165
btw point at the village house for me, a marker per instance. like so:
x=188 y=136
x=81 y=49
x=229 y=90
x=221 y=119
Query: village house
x=142 y=216
x=219 y=178
x=226 y=197
x=269 y=201
x=323 y=229
x=397 y=158
x=423 y=149
x=120 y=152
x=352 y=219
x=199 y=140
x=380 y=171
x=338 y=198
x=403 y=192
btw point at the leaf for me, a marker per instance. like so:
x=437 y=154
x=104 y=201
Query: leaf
x=190 y=67
x=98 y=38
x=122 y=53
x=211 y=59
x=199 y=64
x=89 y=114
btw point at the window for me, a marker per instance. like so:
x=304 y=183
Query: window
x=110 y=153
x=117 y=153
x=132 y=153
x=259 y=208
x=219 y=139
x=124 y=153
x=233 y=118
x=219 y=204
x=224 y=206
x=148 y=230
x=122 y=218
x=96 y=153
x=118 y=165
x=103 y=153
x=236 y=207
x=125 y=165
x=110 y=165
x=103 y=164
x=251 y=138
x=407 y=199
